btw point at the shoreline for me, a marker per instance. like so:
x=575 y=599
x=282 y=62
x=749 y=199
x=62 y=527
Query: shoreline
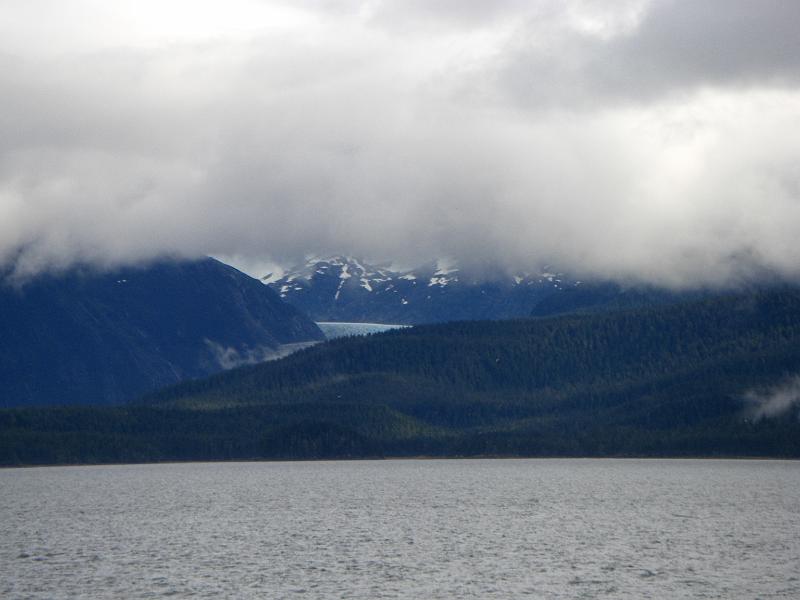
x=412 y=458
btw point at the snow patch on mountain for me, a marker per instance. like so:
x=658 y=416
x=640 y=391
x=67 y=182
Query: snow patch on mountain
x=441 y=281
x=344 y=275
x=344 y=288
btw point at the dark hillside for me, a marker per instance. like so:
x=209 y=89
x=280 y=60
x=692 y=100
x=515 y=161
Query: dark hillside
x=661 y=381
x=104 y=338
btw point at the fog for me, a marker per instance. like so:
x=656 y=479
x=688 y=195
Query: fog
x=637 y=140
x=775 y=401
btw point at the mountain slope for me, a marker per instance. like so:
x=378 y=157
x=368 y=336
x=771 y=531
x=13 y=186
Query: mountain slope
x=661 y=381
x=346 y=289
x=101 y=338
x=547 y=356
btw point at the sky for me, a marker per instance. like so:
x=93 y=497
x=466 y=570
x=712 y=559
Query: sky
x=639 y=140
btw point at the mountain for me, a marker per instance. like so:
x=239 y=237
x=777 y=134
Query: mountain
x=711 y=377
x=103 y=338
x=345 y=289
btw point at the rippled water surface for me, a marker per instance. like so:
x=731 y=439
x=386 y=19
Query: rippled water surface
x=404 y=529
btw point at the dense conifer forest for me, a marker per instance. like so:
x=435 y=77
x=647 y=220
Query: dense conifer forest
x=660 y=381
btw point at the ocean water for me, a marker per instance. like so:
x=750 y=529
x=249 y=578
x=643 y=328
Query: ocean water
x=335 y=330
x=410 y=529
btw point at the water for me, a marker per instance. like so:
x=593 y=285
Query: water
x=334 y=330
x=404 y=529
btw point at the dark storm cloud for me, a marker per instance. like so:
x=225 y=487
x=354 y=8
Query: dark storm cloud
x=630 y=139
x=663 y=48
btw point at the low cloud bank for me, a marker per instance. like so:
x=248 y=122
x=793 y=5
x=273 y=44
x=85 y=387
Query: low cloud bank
x=773 y=402
x=228 y=357
x=639 y=140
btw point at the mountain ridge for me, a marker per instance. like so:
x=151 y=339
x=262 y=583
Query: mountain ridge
x=347 y=289
x=84 y=336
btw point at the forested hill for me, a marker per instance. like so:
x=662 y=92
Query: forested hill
x=668 y=380
x=91 y=337
x=758 y=334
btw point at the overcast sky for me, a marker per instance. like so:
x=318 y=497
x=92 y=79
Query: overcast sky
x=647 y=140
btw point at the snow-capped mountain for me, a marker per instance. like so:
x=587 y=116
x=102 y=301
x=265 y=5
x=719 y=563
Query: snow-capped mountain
x=343 y=288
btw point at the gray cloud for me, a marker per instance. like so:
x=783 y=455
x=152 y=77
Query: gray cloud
x=645 y=52
x=638 y=140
